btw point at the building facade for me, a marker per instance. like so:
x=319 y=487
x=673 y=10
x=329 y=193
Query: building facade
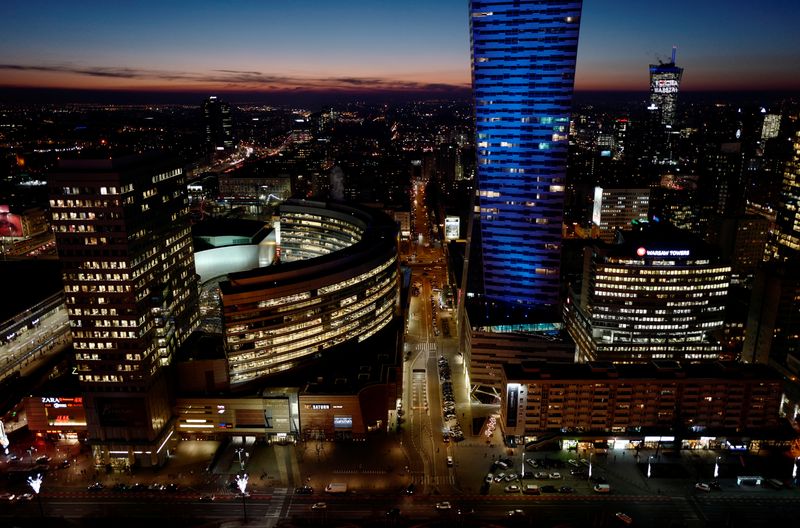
x=658 y=295
x=338 y=282
x=523 y=67
x=663 y=399
x=124 y=241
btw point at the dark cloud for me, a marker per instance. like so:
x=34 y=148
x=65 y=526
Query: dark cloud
x=238 y=79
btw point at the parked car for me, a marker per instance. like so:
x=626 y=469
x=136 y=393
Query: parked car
x=319 y=506
x=489 y=478
x=512 y=488
x=555 y=475
x=624 y=518
x=443 y=505
x=531 y=489
x=702 y=486
x=566 y=489
x=511 y=476
x=95 y=487
x=499 y=477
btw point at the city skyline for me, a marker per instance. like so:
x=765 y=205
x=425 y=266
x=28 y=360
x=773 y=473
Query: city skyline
x=363 y=47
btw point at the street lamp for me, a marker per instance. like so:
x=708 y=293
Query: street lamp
x=649 y=465
x=794 y=469
x=241 y=483
x=590 y=463
x=35 y=482
x=239 y=451
x=716 y=468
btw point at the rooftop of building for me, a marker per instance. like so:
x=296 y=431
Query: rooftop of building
x=40 y=279
x=664 y=370
x=379 y=235
x=658 y=240
x=216 y=227
x=106 y=161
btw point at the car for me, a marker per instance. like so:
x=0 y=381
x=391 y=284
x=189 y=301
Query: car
x=489 y=478
x=156 y=487
x=95 y=487
x=574 y=463
x=7 y=497
x=531 y=489
x=549 y=489
x=207 y=498
x=319 y=506
x=555 y=476
x=602 y=488
x=715 y=485
x=449 y=461
x=138 y=487
x=499 y=477
x=702 y=486
x=394 y=512
x=566 y=489
x=304 y=490
x=503 y=464
x=625 y=518
x=512 y=488
x=443 y=505
x=25 y=497
x=410 y=489
x=43 y=460
x=541 y=476
x=532 y=462
x=515 y=513
x=510 y=477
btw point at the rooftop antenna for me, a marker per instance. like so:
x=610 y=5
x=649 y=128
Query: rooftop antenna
x=674 y=51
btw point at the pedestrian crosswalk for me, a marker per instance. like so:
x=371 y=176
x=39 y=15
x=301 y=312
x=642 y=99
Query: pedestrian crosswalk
x=364 y=471
x=686 y=510
x=427 y=347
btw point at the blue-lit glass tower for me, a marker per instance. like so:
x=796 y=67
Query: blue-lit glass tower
x=523 y=69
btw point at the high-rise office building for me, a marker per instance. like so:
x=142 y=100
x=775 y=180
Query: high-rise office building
x=523 y=67
x=665 y=80
x=617 y=210
x=218 y=125
x=773 y=328
x=660 y=294
x=124 y=241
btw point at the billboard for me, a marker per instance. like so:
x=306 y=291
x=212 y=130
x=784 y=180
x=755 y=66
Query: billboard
x=512 y=404
x=452 y=227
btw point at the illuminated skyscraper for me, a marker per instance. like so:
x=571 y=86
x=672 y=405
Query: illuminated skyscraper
x=665 y=80
x=124 y=241
x=218 y=125
x=523 y=69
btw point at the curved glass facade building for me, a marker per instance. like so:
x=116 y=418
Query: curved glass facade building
x=523 y=69
x=338 y=282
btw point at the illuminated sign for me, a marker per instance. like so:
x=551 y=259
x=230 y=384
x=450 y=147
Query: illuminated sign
x=63 y=402
x=343 y=422
x=452 y=227
x=512 y=404
x=320 y=406
x=665 y=86
x=662 y=252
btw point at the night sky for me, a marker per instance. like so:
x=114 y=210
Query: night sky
x=367 y=45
